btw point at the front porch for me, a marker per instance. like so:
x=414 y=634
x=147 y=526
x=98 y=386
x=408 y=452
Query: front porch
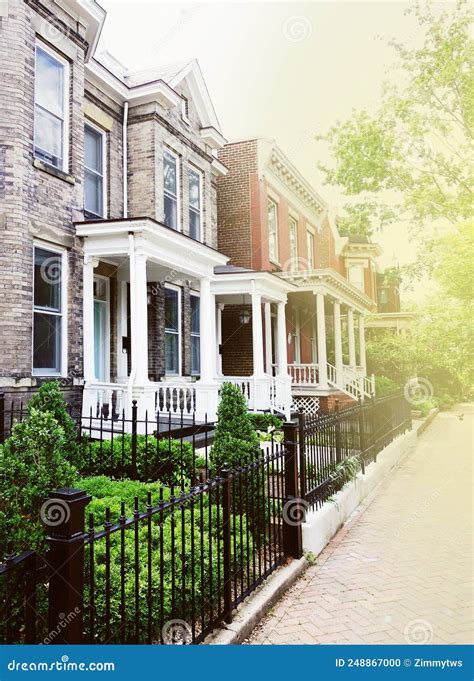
x=153 y=327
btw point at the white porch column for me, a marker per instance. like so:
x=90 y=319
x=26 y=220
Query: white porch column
x=88 y=317
x=322 y=354
x=350 y=331
x=362 y=360
x=139 y=318
x=268 y=338
x=220 y=307
x=281 y=344
x=338 y=340
x=257 y=334
x=207 y=329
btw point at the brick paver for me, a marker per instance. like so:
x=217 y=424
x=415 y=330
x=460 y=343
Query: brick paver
x=401 y=569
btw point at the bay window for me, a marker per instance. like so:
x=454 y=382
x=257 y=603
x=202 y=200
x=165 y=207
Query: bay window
x=48 y=311
x=170 y=189
x=94 y=172
x=51 y=107
x=195 y=336
x=172 y=331
x=195 y=215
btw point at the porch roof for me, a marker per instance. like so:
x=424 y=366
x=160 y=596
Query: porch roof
x=331 y=283
x=157 y=241
x=235 y=281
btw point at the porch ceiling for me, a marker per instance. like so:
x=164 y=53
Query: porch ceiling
x=167 y=250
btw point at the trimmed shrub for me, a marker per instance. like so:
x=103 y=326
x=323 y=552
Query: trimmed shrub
x=236 y=442
x=190 y=576
x=31 y=466
x=265 y=421
x=169 y=461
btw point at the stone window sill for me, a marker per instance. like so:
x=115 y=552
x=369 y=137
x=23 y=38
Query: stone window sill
x=51 y=170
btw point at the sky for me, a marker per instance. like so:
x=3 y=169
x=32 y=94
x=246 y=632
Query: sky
x=281 y=70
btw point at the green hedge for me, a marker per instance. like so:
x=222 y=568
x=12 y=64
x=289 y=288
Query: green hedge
x=179 y=523
x=168 y=461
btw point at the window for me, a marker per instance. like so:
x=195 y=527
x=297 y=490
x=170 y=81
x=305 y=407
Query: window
x=195 y=336
x=195 y=220
x=172 y=331
x=356 y=276
x=310 y=249
x=293 y=229
x=184 y=109
x=51 y=107
x=48 y=314
x=273 y=230
x=94 y=172
x=170 y=186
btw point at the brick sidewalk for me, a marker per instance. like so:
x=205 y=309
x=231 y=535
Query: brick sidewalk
x=401 y=570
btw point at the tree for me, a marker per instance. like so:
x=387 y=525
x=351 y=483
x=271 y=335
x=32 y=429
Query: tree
x=410 y=158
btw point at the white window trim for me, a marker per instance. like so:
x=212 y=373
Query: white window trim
x=200 y=174
x=193 y=334
x=168 y=150
x=171 y=287
x=276 y=259
x=64 y=62
x=310 y=236
x=64 y=308
x=292 y=220
x=102 y=132
x=107 y=324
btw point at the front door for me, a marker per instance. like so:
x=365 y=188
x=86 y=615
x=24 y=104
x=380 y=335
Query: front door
x=101 y=329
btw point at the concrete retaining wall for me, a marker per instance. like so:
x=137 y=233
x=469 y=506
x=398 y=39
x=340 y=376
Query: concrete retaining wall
x=322 y=525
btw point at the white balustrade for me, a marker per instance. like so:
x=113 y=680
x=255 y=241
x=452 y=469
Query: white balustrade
x=175 y=398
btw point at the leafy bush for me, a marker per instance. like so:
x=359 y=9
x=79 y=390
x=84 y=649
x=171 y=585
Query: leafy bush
x=181 y=563
x=32 y=464
x=49 y=398
x=169 y=461
x=425 y=407
x=266 y=420
x=384 y=386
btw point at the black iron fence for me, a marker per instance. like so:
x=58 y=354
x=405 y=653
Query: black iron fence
x=170 y=571
x=170 y=568
x=334 y=447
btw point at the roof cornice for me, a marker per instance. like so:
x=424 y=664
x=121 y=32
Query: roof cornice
x=286 y=172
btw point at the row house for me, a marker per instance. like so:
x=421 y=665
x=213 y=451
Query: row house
x=108 y=223
x=272 y=220
x=142 y=256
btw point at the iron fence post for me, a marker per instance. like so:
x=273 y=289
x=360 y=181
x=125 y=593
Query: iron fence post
x=302 y=451
x=226 y=513
x=134 y=439
x=361 y=436
x=338 y=433
x=373 y=438
x=293 y=510
x=65 y=509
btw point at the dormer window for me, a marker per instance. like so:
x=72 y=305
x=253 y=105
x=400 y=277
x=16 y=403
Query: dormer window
x=170 y=189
